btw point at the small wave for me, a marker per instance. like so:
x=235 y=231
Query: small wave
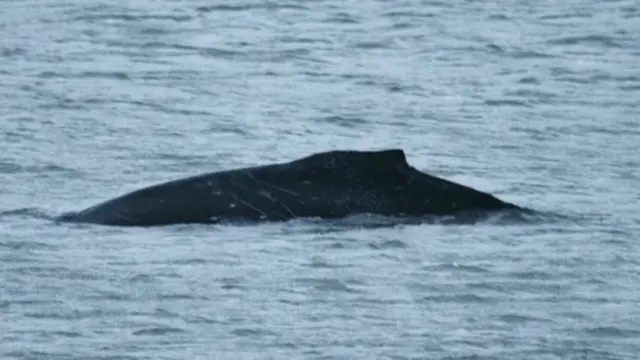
x=416 y=14
x=530 y=275
x=34 y=354
x=507 y=102
x=598 y=40
x=181 y=297
x=37 y=302
x=630 y=87
x=58 y=272
x=388 y=244
x=320 y=263
x=157 y=312
x=48 y=315
x=498 y=16
x=377 y=300
x=313 y=74
x=201 y=319
x=31 y=213
x=68 y=334
x=458 y=298
x=248 y=332
x=347 y=122
x=529 y=80
x=342 y=18
x=572 y=15
x=519 y=319
x=228 y=8
x=8 y=52
x=135 y=18
x=374 y=221
x=456 y=267
x=370 y=45
x=104 y=74
x=210 y=51
x=9 y=168
x=232 y=283
x=153 y=106
x=530 y=54
x=191 y=261
x=109 y=295
x=328 y=285
x=157 y=331
x=613 y=331
x=533 y=96
x=495 y=48
x=245 y=7
x=142 y=278
x=13 y=168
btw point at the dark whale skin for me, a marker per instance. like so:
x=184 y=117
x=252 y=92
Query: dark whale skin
x=329 y=185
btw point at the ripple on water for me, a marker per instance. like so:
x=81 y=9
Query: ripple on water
x=590 y=40
x=613 y=331
x=388 y=244
x=455 y=267
x=252 y=332
x=158 y=331
x=328 y=285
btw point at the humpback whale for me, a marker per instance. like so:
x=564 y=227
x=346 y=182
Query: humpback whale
x=329 y=185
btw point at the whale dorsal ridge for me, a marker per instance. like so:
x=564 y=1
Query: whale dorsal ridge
x=391 y=158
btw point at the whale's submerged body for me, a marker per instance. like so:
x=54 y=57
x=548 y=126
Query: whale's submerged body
x=332 y=184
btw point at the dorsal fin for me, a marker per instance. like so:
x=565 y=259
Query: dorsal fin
x=349 y=158
x=390 y=157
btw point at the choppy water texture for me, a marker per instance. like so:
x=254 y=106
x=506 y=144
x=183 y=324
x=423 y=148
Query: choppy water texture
x=536 y=102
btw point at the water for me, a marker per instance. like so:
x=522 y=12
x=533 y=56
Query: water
x=536 y=102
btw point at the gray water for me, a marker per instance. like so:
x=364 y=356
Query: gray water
x=536 y=102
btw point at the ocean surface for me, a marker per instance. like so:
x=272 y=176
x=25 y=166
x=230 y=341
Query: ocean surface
x=537 y=102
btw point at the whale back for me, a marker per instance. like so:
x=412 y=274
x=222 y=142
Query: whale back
x=329 y=185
